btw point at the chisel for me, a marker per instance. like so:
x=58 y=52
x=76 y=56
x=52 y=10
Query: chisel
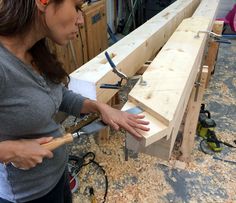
x=91 y=128
x=68 y=137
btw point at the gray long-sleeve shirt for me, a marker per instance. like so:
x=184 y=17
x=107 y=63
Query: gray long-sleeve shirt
x=28 y=103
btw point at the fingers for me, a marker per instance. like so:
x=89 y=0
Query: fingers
x=135 y=133
x=135 y=125
x=28 y=164
x=43 y=140
x=138 y=118
x=139 y=124
x=48 y=154
x=135 y=129
x=114 y=125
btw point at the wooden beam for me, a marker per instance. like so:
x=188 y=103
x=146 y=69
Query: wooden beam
x=171 y=75
x=165 y=97
x=170 y=81
x=207 y=9
x=130 y=53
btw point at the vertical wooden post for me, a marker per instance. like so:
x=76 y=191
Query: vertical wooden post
x=191 y=119
x=213 y=50
x=193 y=108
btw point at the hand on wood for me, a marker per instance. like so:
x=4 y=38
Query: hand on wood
x=117 y=119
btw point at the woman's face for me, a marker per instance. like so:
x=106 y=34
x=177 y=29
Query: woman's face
x=63 y=20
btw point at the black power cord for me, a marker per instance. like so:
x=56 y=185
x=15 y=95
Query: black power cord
x=216 y=157
x=89 y=158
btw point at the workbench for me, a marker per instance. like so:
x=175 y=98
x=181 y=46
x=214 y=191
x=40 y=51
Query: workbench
x=171 y=75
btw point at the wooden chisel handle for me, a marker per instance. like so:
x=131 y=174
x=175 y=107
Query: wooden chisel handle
x=57 y=142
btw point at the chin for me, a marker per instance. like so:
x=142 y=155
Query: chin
x=62 y=42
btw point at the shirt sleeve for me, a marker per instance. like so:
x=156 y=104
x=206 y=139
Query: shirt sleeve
x=72 y=103
x=2 y=78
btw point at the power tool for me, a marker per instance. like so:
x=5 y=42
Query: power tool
x=205 y=129
x=205 y=122
x=213 y=143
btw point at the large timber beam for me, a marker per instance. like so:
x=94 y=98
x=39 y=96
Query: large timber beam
x=170 y=79
x=130 y=53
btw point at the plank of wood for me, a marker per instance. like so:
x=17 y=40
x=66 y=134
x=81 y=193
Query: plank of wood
x=131 y=52
x=157 y=130
x=207 y=9
x=171 y=75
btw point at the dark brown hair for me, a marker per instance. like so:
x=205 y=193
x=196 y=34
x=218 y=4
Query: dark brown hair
x=16 y=17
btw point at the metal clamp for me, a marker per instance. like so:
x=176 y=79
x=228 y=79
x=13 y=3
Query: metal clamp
x=211 y=34
x=120 y=74
x=214 y=36
x=114 y=68
x=142 y=82
x=197 y=84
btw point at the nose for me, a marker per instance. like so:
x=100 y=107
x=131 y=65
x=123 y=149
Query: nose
x=80 y=19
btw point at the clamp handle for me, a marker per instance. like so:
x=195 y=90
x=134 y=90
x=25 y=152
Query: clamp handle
x=216 y=37
x=115 y=70
x=110 y=60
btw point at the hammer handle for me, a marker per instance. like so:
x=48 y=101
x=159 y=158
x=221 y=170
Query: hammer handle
x=57 y=142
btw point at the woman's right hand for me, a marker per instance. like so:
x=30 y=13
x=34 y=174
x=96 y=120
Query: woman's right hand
x=29 y=153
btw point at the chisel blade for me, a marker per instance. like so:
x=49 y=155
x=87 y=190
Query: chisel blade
x=93 y=127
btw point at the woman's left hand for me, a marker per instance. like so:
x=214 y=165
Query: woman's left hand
x=119 y=119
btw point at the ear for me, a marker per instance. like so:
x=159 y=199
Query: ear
x=42 y=4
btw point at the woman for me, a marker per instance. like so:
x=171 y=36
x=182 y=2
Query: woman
x=32 y=92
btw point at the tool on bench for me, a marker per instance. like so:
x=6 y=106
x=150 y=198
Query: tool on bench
x=118 y=85
x=122 y=75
